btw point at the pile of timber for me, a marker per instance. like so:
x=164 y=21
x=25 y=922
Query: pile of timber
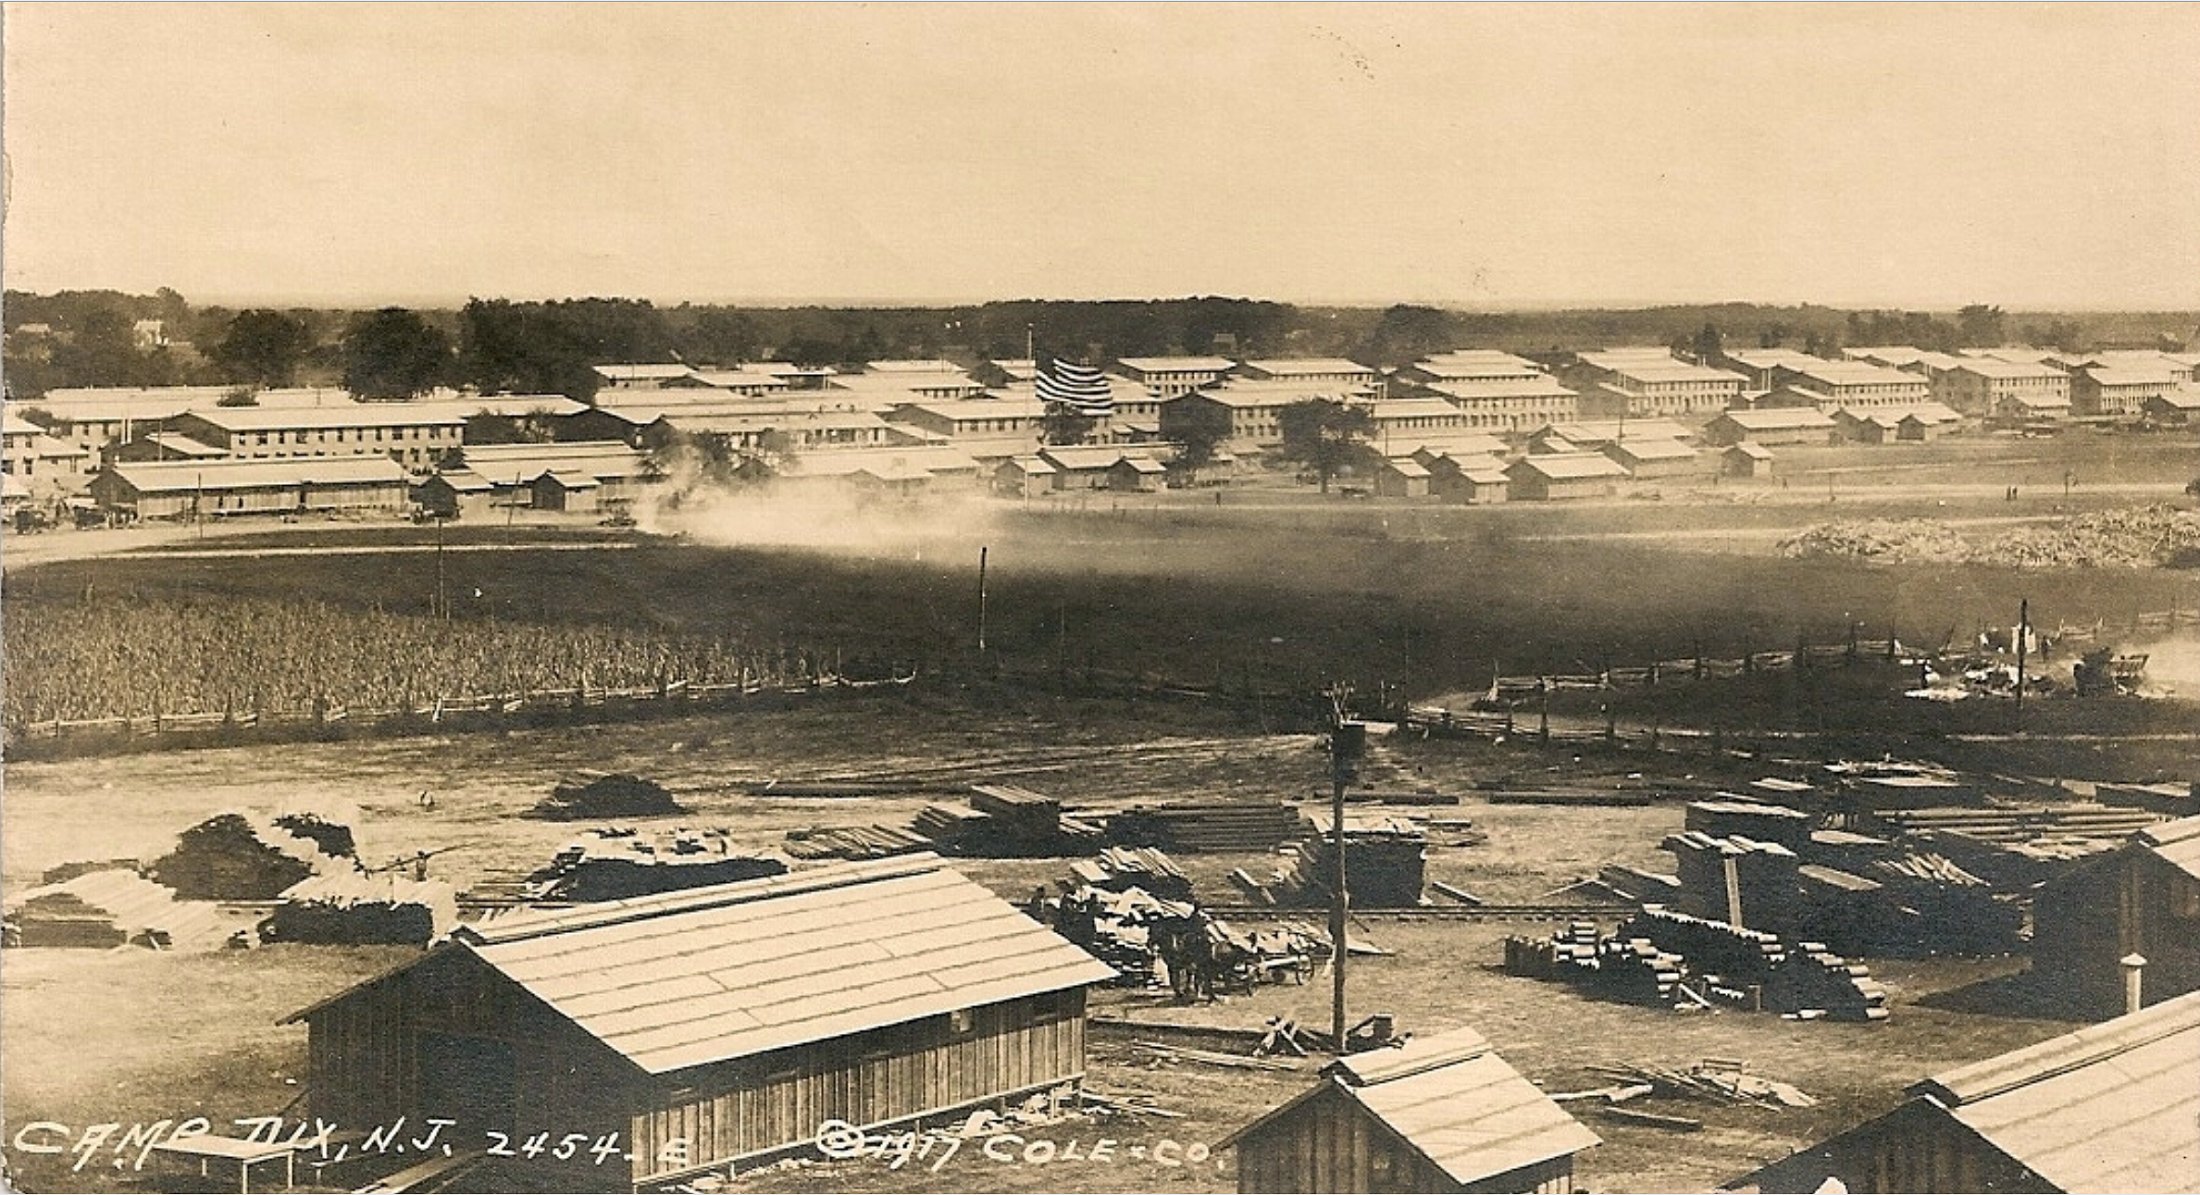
x=1118 y=868
x=2023 y=823
x=363 y=910
x=1004 y=821
x=1566 y=796
x=1210 y=827
x=591 y=795
x=1375 y=795
x=1750 y=819
x=614 y=864
x=1815 y=982
x=116 y=907
x=1765 y=883
x=1637 y=886
x=1719 y=1080
x=2168 y=799
x=1660 y=958
x=234 y=857
x=1385 y=864
x=1943 y=909
x=855 y=842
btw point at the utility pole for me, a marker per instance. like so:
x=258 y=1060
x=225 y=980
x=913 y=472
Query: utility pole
x=981 y=602
x=2024 y=632
x=442 y=599
x=1346 y=743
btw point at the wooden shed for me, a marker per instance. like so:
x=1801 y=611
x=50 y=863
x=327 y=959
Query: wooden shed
x=569 y=490
x=1137 y=474
x=1562 y=475
x=714 y=1027
x=456 y=494
x=1023 y=477
x=1477 y=480
x=2111 y=1107
x=2142 y=898
x=1440 y=1113
x=1746 y=458
x=1402 y=478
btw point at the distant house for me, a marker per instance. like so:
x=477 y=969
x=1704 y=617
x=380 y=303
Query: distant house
x=1137 y=475
x=2003 y=389
x=456 y=494
x=2104 y=391
x=1652 y=381
x=1886 y=425
x=568 y=490
x=1440 y=1113
x=513 y=470
x=1402 y=478
x=2109 y=1108
x=223 y=488
x=1747 y=459
x=717 y=1027
x=1649 y=457
x=2142 y=898
x=651 y=375
x=1559 y=476
x=1775 y=425
x=1093 y=466
x=415 y=435
x=1168 y=377
x=2177 y=408
x=1761 y=366
x=1318 y=371
x=1398 y=420
x=1477 y=480
x=1509 y=405
x=1254 y=407
x=1856 y=384
x=1023 y=477
x=38 y=460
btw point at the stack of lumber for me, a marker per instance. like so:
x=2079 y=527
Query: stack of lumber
x=1638 y=886
x=589 y=795
x=1566 y=796
x=102 y=909
x=1385 y=864
x=1567 y=954
x=1765 y=874
x=1120 y=928
x=2168 y=800
x=854 y=842
x=1945 y=910
x=1749 y=819
x=614 y=864
x=2022 y=823
x=1635 y=971
x=1712 y=948
x=1004 y=821
x=1117 y=869
x=1211 y=827
x=1814 y=981
x=1719 y=1080
x=363 y=910
x=234 y=857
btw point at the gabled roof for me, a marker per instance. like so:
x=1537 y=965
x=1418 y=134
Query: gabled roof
x=2108 y=1108
x=707 y=975
x=1776 y=418
x=2184 y=398
x=1411 y=408
x=1176 y=364
x=1605 y=431
x=1569 y=466
x=1752 y=450
x=1036 y=466
x=1854 y=373
x=642 y=372
x=1994 y=367
x=2103 y=375
x=150 y=477
x=1406 y=467
x=346 y=414
x=1299 y=367
x=913 y=365
x=1452 y=1100
x=1646 y=449
x=2177 y=843
x=1472 y=389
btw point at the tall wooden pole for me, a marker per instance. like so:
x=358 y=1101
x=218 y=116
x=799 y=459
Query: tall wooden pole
x=2024 y=632
x=1344 y=747
x=981 y=602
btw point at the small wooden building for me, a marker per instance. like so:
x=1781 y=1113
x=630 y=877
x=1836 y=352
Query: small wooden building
x=569 y=490
x=1402 y=478
x=2142 y=898
x=1746 y=458
x=456 y=494
x=714 y=1027
x=1561 y=475
x=1440 y=1113
x=1646 y=456
x=1023 y=477
x=2111 y=1107
x=1473 y=479
x=1137 y=475
x=180 y=489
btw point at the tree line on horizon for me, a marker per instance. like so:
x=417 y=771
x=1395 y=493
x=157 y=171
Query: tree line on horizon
x=550 y=347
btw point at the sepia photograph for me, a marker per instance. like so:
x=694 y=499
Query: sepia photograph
x=1100 y=597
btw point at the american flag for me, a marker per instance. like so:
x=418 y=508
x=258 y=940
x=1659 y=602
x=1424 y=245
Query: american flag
x=1081 y=388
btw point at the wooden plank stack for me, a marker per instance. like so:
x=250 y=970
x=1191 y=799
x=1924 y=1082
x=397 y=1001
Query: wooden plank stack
x=1814 y=980
x=1117 y=869
x=362 y=910
x=614 y=864
x=854 y=842
x=1385 y=865
x=115 y=907
x=1207 y=827
x=1005 y=822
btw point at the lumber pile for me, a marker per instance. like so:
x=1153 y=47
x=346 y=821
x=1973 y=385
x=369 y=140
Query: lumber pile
x=1789 y=828
x=1567 y=954
x=613 y=864
x=1765 y=878
x=854 y=842
x=1004 y=821
x=233 y=857
x=1207 y=827
x=1639 y=886
x=1714 y=1080
x=591 y=796
x=352 y=909
x=1118 y=868
x=1566 y=796
x=1635 y=971
x=1385 y=863
x=116 y=907
x=2168 y=800
x=1661 y=958
x=1814 y=982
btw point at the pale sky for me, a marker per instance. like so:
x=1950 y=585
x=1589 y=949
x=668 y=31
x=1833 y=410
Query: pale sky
x=1903 y=155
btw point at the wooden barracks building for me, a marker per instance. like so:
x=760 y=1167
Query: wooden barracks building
x=715 y=1027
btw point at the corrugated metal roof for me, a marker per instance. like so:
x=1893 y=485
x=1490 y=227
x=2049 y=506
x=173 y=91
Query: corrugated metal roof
x=1464 y=1108
x=2111 y=1107
x=690 y=978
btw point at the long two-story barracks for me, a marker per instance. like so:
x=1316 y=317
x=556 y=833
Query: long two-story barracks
x=715 y=1028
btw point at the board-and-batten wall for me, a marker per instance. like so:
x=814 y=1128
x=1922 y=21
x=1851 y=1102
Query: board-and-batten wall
x=1331 y=1143
x=757 y=1105
x=366 y=1070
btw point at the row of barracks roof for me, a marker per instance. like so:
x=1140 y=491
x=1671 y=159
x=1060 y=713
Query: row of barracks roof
x=709 y=975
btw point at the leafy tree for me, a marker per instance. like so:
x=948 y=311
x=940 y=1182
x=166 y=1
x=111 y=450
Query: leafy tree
x=716 y=336
x=1982 y=326
x=1198 y=429
x=1065 y=424
x=103 y=352
x=1709 y=343
x=262 y=347
x=1406 y=333
x=394 y=353
x=1326 y=435
x=1822 y=344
